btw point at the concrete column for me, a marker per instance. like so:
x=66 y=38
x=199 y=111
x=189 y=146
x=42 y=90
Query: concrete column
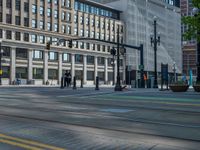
x=4 y=11
x=45 y=66
x=4 y=34
x=13 y=12
x=22 y=37
x=12 y=64
x=73 y=65
x=59 y=67
x=106 y=70
x=95 y=67
x=22 y=12
x=84 y=69
x=13 y=35
x=30 y=64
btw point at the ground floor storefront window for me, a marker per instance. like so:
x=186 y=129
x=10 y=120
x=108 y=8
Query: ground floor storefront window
x=90 y=75
x=52 y=74
x=21 y=72
x=79 y=74
x=38 y=73
x=101 y=76
x=6 y=72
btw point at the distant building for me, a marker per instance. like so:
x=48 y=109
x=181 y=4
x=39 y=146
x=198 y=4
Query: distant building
x=188 y=46
x=138 y=17
x=27 y=25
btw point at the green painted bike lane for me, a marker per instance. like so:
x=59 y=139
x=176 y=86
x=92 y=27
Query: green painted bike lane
x=157 y=99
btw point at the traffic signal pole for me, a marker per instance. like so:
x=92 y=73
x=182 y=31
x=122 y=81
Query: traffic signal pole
x=140 y=48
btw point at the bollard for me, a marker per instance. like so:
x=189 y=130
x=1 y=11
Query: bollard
x=81 y=83
x=74 y=83
x=62 y=80
x=97 y=83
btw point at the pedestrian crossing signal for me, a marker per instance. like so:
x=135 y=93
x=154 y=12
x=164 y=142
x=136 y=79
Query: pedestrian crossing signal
x=48 y=46
x=70 y=44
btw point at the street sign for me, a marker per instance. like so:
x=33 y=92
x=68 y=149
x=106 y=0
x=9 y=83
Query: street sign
x=141 y=67
x=1 y=72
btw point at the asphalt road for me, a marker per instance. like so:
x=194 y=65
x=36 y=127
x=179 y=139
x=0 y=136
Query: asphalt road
x=85 y=119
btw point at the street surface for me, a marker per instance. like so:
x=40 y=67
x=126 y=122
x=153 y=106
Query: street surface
x=42 y=118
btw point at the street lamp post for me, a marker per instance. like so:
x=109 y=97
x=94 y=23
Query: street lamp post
x=196 y=12
x=113 y=53
x=174 y=69
x=1 y=72
x=155 y=40
x=118 y=84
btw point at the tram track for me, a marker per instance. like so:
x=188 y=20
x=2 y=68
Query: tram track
x=95 y=127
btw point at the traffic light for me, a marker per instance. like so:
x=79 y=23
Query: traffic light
x=48 y=46
x=113 y=51
x=70 y=44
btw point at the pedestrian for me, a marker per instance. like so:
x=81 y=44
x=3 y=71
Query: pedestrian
x=69 y=79
x=66 y=80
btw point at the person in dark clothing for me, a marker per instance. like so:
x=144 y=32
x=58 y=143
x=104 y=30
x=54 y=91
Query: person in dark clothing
x=68 y=78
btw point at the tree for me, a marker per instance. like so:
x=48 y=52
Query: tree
x=193 y=23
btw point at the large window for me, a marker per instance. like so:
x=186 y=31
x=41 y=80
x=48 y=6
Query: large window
x=41 y=38
x=38 y=54
x=34 y=38
x=21 y=53
x=41 y=10
x=17 y=5
x=26 y=37
x=90 y=75
x=90 y=59
x=38 y=73
x=66 y=57
x=52 y=74
x=78 y=59
x=79 y=74
x=17 y=36
x=17 y=20
x=49 y=12
x=21 y=72
x=8 y=18
x=8 y=34
x=26 y=7
x=110 y=61
x=110 y=76
x=34 y=24
x=34 y=9
x=53 y=56
x=101 y=60
x=26 y=22
x=101 y=76
x=8 y=3
x=6 y=51
x=41 y=24
x=6 y=72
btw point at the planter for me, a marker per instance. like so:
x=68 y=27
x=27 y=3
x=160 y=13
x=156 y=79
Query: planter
x=196 y=88
x=178 y=88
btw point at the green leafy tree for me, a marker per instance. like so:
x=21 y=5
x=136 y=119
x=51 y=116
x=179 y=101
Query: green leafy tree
x=193 y=23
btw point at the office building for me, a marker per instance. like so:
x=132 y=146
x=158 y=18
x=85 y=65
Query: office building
x=138 y=17
x=27 y=25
